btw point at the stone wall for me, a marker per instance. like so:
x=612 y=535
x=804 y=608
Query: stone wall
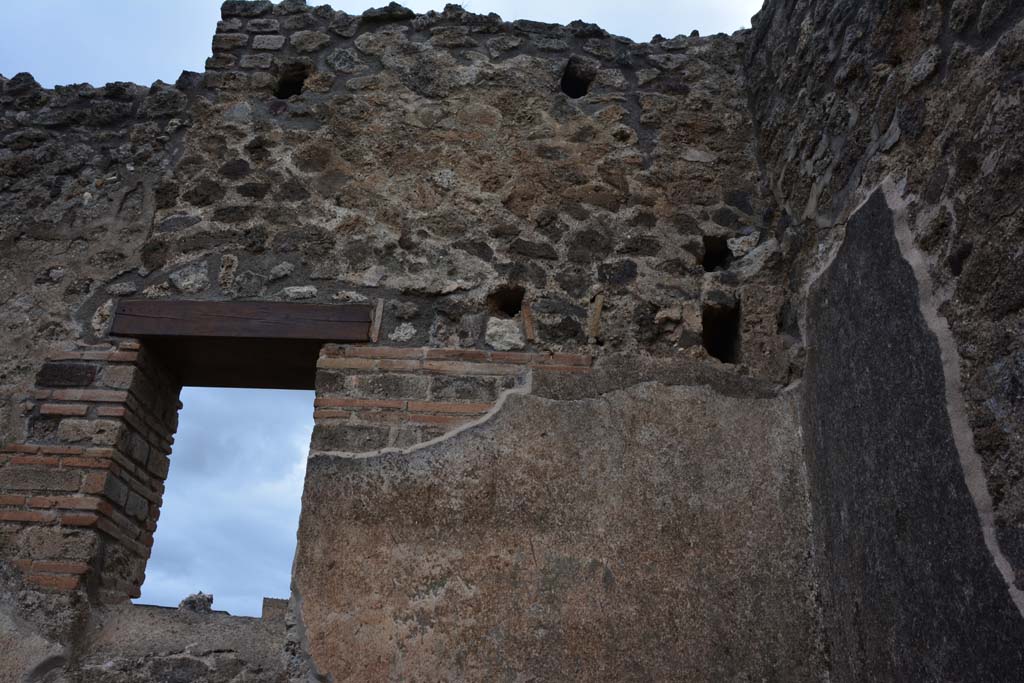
x=890 y=134
x=81 y=495
x=695 y=359
x=586 y=531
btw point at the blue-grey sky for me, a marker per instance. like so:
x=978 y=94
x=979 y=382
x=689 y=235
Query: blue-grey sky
x=231 y=506
x=230 y=512
x=99 y=41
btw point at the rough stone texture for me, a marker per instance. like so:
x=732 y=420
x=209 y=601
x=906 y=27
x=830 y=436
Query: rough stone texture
x=845 y=94
x=892 y=495
x=662 y=515
x=631 y=536
x=139 y=644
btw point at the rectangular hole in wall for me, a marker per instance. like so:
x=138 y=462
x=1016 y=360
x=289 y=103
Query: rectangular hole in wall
x=721 y=331
x=230 y=510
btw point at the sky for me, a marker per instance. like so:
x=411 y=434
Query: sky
x=231 y=507
x=99 y=41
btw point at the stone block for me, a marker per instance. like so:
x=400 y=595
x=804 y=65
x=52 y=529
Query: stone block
x=390 y=385
x=39 y=478
x=65 y=374
x=229 y=26
x=267 y=42
x=229 y=41
x=245 y=8
x=309 y=41
x=349 y=438
x=443 y=388
x=97 y=432
x=264 y=25
x=159 y=464
x=226 y=80
x=137 y=506
x=221 y=61
x=257 y=61
x=118 y=376
x=116 y=491
x=49 y=542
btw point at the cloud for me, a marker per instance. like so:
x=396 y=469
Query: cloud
x=230 y=512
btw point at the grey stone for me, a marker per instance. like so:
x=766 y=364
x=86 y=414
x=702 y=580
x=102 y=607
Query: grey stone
x=886 y=474
x=263 y=25
x=257 y=61
x=299 y=292
x=393 y=12
x=504 y=334
x=265 y=42
x=345 y=60
x=191 y=279
x=229 y=41
x=309 y=41
x=197 y=602
x=281 y=271
x=245 y=8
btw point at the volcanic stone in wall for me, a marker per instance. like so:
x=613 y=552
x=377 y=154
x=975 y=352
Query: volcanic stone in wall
x=911 y=592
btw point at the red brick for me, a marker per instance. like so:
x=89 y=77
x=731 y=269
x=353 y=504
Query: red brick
x=12 y=500
x=60 y=567
x=383 y=352
x=78 y=519
x=54 y=581
x=460 y=408
x=358 y=403
x=122 y=356
x=77 y=409
x=21 y=448
x=347 y=363
x=26 y=516
x=462 y=368
x=111 y=411
x=457 y=354
x=34 y=460
x=99 y=452
x=437 y=419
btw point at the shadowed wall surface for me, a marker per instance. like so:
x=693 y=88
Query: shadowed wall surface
x=693 y=359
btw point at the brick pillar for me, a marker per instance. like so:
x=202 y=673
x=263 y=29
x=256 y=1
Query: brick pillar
x=374 y=397
x=79 y=498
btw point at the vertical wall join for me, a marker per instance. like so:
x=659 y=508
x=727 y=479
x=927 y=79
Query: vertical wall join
x=898 y=532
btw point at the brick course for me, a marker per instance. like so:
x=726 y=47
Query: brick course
x=373 y=397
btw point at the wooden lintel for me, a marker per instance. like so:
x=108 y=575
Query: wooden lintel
x=242 y=319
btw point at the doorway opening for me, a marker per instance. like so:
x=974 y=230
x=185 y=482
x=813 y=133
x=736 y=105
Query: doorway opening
x=230 y=508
